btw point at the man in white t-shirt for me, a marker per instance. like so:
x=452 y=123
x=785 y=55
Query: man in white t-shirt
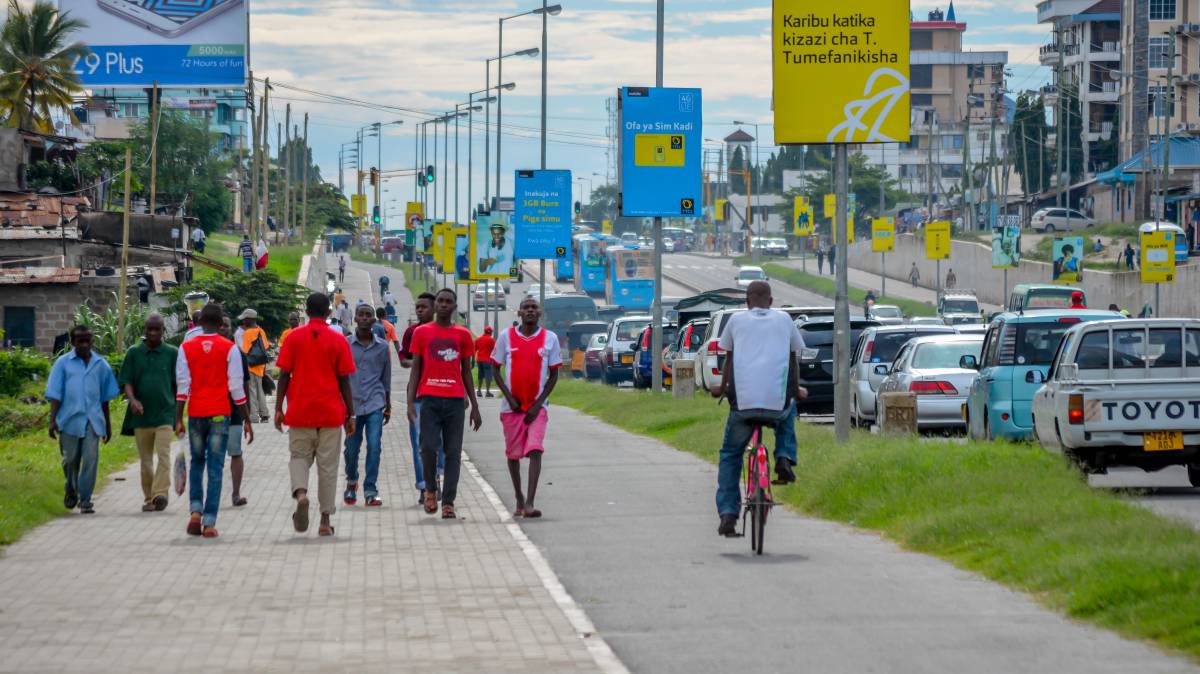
x=759 y=344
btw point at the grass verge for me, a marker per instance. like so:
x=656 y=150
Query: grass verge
x=31 y=477
x=284 y=259
x=823 y=285
x=1010 y=512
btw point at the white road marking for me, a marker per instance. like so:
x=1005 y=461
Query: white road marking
x=605 y=659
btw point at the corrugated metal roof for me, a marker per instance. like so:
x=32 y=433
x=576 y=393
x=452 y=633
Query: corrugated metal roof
x=1185 y=154
x=39 y=275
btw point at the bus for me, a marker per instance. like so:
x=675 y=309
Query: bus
x=564 y=268
x=630 y=283
x=589 y=261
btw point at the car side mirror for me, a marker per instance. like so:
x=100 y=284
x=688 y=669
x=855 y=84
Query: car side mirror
x=881 y=369
x=968 y=362
x=1034 y=377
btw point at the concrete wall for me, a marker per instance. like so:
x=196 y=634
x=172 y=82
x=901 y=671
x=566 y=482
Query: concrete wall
x=972 y=264
x=312 y=268
x=54 y=304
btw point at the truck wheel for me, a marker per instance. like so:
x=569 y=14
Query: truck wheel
x=1194 y=474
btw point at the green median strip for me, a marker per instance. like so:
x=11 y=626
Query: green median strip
x=824 y=285
x=31 y=477
x=1010 y=512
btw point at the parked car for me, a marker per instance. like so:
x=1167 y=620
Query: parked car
x=629 y=239
x=712 y=357
x=939 y=369
x=668 y=245
x=749 y=274
x=616 y=365
x=392 y=243
x=879 y=346
x=1123 y=393
x=687 y=343
x=592 y=356
x=816 y=361
x=488 y=294
x=1059 y=220
x=643 y=359
x=1017 y=352
x=887 y=314
x=770 y=246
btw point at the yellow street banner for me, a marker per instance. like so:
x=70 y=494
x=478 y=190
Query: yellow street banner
x=437 y=250
x=831 y=205
x=937 y=240
x=605 y=227
x=719 y=210
x=358 y=204
x=802 y=217
x=856 y=54
x=883 y=235
x=1158 y=256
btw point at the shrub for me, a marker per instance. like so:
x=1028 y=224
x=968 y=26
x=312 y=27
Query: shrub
x=18 y=367
x=263 y=291
x=104 y=326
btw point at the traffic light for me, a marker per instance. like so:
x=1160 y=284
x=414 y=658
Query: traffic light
x=420 y=179
x=375 y=215
x=578 y=207
x=429 y=174
x=374 y=177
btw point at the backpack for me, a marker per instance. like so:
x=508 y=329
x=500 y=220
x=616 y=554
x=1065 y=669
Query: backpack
x=257 y=355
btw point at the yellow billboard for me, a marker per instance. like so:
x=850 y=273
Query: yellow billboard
x=358 y=204
x=802 y=217
x=658 y=149
x=450 y=246
x=883 y=235
x=831 y=205
x=1158 y=256
x=437 y=250
x=856 y=54
x=719 y=210
x=606 y=226
x=937 y=240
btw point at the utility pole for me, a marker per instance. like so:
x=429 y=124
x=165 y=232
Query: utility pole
x=968 y=203
x=1058 y=120
x=841 y=303
x=882 y=204
x=1169 y=108
x=281 y=221
x=123 y=281
x=931 y=119
x=266 y=161
x=255 y=114
x=154 y=146
x=287 y=173
x=304 y=184
x=656 y=327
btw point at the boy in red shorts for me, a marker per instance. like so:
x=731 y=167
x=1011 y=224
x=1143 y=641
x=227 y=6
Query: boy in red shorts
x=530 y=356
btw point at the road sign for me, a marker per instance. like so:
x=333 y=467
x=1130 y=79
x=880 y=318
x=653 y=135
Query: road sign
x=358 y=204
x=1158 y=256
x=831 y=213
x=883 y=235
x=660 y=167
x=856 y=53
x=802 y=217
x=937 y=240
x=542 y=214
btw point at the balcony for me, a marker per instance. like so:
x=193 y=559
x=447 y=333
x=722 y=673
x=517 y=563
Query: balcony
x=1104 y=51
x=1049 y=55
x=1104 y=91
x=1099 y=130
x=1049 y=10
x=1049 y=93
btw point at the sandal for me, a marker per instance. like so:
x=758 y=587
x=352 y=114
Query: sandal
x=300 y=517
x=448 y=512
x=239 y=501
x=430 y=502
x=519 y=512
x=325 y=530
x=210 y=532
x=532 y=513
x=193 y=526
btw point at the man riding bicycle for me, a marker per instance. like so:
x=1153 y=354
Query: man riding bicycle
x=760 y=380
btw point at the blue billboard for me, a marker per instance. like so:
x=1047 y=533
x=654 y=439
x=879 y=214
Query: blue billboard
x=659 y=172
x=542 y=214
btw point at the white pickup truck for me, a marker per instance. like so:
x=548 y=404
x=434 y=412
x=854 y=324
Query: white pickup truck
x=1124 y=393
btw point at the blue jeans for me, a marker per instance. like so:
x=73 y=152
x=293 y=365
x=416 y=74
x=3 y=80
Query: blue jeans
x=80 y=456
x=372 y=426
x=247 y=265
x=738 y=429
x=207 y=438
x=415 y=439
x=785 y=435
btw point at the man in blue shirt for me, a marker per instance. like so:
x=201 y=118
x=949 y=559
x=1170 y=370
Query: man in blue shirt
x=371 y=387
x=79 y=388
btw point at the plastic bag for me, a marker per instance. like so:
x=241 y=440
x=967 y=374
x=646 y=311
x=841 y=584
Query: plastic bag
x=181 y=466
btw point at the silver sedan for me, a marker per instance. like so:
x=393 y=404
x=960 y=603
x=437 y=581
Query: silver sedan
x=939 y=370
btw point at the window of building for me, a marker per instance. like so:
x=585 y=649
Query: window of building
x=920 y=40
x=131 y=110
x=18 y=326
x=921 y=99
x=975 y=71
x=1162 y=10
x=921 y=76
x=1159 y=52
x=951 y=170
x=952 y=142
x=910 y=144
x=1158 y=100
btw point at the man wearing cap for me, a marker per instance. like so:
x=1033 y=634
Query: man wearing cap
x=496 y=258
x=483 y=359
x=250 y=337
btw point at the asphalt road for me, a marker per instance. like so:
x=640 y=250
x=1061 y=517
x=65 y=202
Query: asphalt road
x=1166 y=492
x=708 y=273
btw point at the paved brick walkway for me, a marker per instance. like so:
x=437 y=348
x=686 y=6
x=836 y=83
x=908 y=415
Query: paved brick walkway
x=395 y=591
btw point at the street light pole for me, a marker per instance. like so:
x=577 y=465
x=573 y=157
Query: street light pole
x=656 y=335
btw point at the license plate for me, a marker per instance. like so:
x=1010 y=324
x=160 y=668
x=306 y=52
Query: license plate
x=627 y=359
x=1162 y=441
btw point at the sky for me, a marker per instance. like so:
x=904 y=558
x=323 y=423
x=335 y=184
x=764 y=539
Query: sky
x=423 y=58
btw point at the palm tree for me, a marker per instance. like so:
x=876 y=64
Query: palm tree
x=37 y=65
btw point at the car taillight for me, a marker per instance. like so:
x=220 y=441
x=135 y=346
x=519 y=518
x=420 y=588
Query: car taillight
x=1075 y=409
x=933 y=388
x=1068 y=319
x=713 y=348
x=867 y=351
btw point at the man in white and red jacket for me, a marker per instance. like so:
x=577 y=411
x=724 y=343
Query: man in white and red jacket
x=208 y=372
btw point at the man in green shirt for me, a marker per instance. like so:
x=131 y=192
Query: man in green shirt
x=148 y=379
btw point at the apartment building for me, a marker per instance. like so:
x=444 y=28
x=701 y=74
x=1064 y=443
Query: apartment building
x=108 y=113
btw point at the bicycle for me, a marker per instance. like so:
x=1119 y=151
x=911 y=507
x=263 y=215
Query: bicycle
x=758 y=499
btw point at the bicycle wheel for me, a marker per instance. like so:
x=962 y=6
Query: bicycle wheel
x=758 y=520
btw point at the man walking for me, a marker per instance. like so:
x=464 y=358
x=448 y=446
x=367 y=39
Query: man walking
x=441 y=378
x=832 y=258
x=207 y=372
x=758 y=380
x=79 y=388
x=233 y=445
x=198 y=239
x=483 y=358
x=371 y=386
x=293 y=323
x=345 y=316
x=148 y=378
x=246 y=252
x=820 y=260
x=385 y=330
x=341 y=268
x=530 y=356
x=253 y=343
x=951 y=279
x=315 y=367
x=423 y=309
x=914 y=275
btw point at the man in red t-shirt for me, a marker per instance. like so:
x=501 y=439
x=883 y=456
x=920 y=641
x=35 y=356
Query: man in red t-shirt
x=315 y=366
x=441 y=379
x=483 y=357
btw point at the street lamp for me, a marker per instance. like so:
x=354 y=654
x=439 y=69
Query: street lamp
x=457 y=113
x=471 y=132
x=499 y=59
x=749 y=185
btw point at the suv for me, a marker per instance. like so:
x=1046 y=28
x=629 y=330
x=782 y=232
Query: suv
x=816 y=361
x=879 y=346
x=643 y=359
x=1017 y=352
x=711 y=357
x=958 y=306
x=616 y=362
x=1057 y=220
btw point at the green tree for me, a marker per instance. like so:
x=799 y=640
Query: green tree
x=37 y=74
x=737 y=165
x=262 y=290
x=327 y=209
x=190 y=167
x=1032 y=160
x=865 y=179
x=602 y=205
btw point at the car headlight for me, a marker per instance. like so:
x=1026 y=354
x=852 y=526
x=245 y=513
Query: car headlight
x=809 y=354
